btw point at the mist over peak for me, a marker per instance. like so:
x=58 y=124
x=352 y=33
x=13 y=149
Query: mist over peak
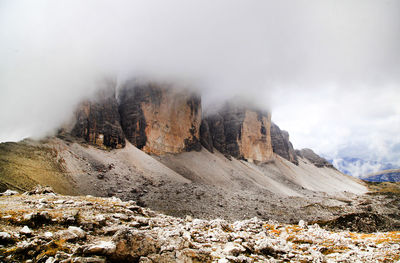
x=330 y=69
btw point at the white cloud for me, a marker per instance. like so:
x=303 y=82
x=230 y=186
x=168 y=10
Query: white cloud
x=342 y=123
x=330 y=70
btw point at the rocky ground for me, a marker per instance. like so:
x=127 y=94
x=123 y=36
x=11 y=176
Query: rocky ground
x=208 y=202
x=41 y=226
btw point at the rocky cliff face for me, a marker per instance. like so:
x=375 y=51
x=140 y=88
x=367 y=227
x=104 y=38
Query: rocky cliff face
x=313 y=158
x=242 y=133
x=98 y=122
x=255 y=143
x=160 y=119
x=281 y=144
x=205 y=136
x=154 y=118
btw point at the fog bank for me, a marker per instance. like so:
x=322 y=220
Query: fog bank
x=329 y=70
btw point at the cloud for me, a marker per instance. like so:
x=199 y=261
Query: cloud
x=329 y=70
x=342 y=124
x=359 y=168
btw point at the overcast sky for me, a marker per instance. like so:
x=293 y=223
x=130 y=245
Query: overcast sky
x=328 y=70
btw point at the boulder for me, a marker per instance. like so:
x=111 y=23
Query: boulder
x=133 y=244
x=233 y=249
x=9 y=192
x=100 y=248
x=72 y=233
x=40 y=190
x=26 y=231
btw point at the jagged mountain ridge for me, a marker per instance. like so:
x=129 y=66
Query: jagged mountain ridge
x=159 y=119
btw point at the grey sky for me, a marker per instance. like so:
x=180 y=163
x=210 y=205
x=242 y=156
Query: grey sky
x=329 y=70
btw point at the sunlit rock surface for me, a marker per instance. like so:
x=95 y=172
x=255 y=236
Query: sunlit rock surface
x=242 y=133
x=160 y=119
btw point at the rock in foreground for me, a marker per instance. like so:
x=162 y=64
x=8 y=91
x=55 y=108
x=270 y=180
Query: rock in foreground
x=91 y=229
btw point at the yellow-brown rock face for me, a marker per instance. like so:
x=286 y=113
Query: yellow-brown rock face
x=160 y=120
x=171 y=124
x=242 y=133
x=255 y=142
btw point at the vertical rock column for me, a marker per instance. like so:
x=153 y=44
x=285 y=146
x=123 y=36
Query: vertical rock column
x=98 y=122
x=242 y=133
x=255 y=142
x=159 y=119
x=205 y=136
x=281 y=144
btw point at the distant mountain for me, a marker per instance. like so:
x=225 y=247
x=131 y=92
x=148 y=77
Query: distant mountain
x=392 y=175
x=358 y=167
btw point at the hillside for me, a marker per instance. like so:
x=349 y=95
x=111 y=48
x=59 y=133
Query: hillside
x=201 y=184
x=391 y=175
x=25 y=164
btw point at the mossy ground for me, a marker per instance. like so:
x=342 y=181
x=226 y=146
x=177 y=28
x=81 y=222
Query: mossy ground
x=384 y=188
x=24 y=165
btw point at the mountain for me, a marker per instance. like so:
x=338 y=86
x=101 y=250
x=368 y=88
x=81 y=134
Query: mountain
x=151 y=142
x=313 y=158
x=391 y=175
x=143 y=175
x=359 y=167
